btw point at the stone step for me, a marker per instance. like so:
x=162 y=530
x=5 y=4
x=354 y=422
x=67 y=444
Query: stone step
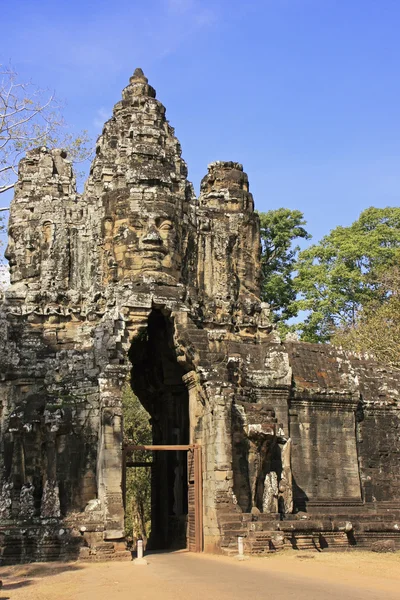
x=233 y=526
x=232 y=518
x=227 y=540
x=232 y=536
x=94 y=555
x=104 y=558
x=269 y=517
x=229 y=551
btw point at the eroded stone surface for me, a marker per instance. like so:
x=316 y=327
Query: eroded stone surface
x=137 y=278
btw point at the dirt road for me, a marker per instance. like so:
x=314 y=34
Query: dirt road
x=184 y=576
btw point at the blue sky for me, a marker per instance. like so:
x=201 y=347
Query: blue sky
x=305 y=93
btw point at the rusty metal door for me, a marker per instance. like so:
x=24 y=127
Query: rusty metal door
x=194 y=537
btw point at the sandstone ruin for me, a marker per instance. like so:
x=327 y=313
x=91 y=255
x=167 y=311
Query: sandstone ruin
x=139 y=279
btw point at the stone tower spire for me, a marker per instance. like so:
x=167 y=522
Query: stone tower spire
x=229 y=252
x=139 y=191
x=44 y=204
x=138 y=85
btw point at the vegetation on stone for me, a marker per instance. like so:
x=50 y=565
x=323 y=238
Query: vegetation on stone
x=137 y=430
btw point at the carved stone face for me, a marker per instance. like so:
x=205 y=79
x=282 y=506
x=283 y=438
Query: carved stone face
x=23 y=253
x=144 y=244
x=28 y=247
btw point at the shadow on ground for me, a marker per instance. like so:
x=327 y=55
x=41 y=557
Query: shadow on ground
x=20 y=576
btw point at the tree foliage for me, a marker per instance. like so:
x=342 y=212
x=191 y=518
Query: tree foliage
x=376 y=329
x=137 y=431
x=31 y=117
x=338 y=277
x=279 y=230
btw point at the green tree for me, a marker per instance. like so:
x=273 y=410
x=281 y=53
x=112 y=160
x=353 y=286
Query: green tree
x=280 y=229
x=137 y=431
x=340 y=275
x=376 y=329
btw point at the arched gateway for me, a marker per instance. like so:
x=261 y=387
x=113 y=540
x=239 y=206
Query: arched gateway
x=137 y=278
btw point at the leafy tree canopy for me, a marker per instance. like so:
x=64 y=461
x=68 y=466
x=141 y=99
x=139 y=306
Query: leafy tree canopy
x=137 y=428
x=279 y=230
x=376 y=329
x=341 y=275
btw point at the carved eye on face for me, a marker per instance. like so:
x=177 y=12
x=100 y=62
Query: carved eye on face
x=164 y=225
x=137 y=225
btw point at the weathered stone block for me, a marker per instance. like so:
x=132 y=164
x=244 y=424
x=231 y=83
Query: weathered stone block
x=138 y=278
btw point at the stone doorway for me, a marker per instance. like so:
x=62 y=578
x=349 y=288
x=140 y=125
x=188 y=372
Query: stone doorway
x=157 y=381
x=194 y=520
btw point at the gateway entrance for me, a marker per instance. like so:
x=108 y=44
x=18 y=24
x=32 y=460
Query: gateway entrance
x=157 y=382
x=161 y=518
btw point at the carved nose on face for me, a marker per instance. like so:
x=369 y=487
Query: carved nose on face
x=8 y=255
x=152 y=237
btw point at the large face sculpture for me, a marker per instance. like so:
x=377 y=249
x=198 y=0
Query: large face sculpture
x=144 y=243
x=28 y=249
x=23 y=252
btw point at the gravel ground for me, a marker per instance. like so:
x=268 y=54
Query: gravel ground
x=181 y=575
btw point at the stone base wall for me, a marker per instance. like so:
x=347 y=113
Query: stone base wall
x=38 y=543
x=57 y=541
x=366 y=529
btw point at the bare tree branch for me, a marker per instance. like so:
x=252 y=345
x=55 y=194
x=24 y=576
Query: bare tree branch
x=5 y=188
x=31 y=117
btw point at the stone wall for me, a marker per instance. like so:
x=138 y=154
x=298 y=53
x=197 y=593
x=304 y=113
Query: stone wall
x=324 y=458
x=379 y=454
x=346 y=407
x=137 y=280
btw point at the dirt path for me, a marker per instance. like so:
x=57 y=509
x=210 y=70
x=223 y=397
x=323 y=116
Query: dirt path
x=180 y=575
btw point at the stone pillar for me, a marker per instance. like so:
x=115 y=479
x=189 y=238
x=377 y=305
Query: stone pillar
x=286 y=483
x=109 y=474
x=196 y=406
x=217 y=459
x=6 y=500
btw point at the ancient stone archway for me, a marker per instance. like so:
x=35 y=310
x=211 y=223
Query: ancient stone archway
x=137 y=273
x=156 y=379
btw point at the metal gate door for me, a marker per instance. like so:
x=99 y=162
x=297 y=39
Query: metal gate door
x=195 y=501
x=194 y=536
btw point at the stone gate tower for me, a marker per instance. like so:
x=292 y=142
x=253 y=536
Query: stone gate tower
x=138 y=280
